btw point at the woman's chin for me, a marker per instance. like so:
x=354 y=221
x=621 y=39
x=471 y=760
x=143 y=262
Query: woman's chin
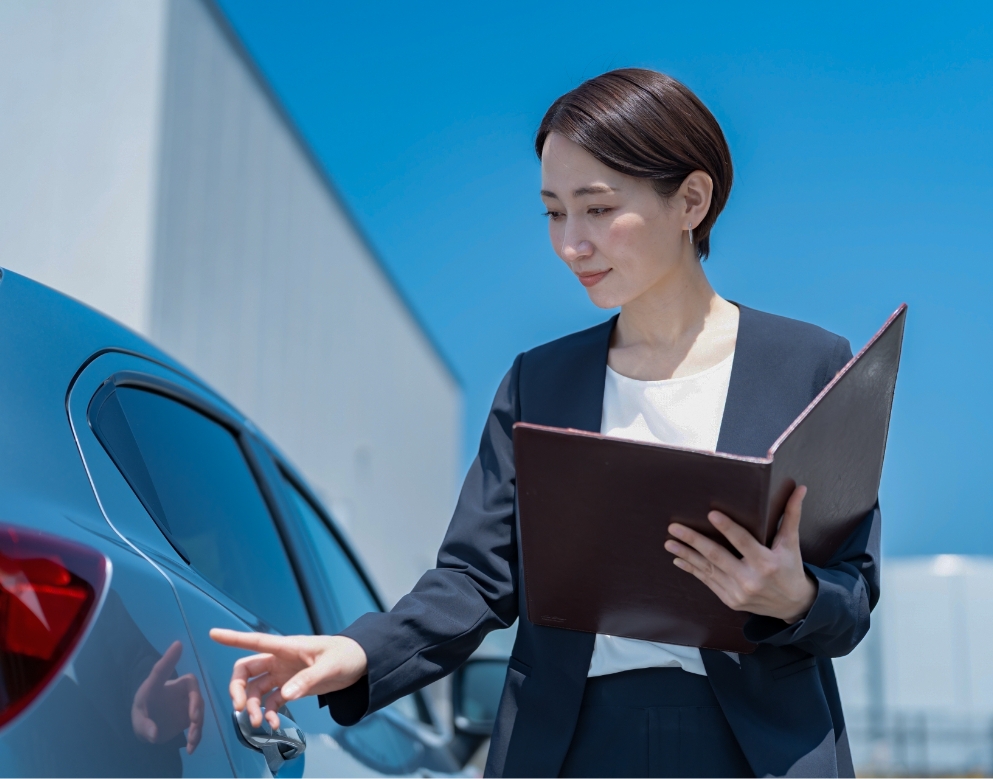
x=604 y=298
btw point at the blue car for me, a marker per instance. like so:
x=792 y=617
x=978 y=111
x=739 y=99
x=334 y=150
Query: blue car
x=139 y=509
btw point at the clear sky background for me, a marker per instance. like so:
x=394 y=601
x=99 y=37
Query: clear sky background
x=862 y=137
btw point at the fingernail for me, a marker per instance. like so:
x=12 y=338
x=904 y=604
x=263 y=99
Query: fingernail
x=290 y=691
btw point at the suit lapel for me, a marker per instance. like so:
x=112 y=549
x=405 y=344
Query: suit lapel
x=743 y=425
x=563 y=386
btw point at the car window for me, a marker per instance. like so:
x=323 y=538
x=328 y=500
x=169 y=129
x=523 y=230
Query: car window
x=352 y=597
x=190 y=473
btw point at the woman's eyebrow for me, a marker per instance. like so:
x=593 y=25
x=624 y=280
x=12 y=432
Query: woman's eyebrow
x=593 y=189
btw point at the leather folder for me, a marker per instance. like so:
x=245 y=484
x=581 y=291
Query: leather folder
x=594 y=511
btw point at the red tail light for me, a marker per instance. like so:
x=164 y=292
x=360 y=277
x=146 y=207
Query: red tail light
x=48 y=588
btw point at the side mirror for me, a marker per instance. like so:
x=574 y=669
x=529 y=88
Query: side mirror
x=476 y=689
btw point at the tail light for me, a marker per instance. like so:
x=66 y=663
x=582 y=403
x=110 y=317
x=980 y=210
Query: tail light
x=48 y=589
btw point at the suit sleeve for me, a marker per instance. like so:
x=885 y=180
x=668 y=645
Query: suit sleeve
x=473 y=590
x=847 y=586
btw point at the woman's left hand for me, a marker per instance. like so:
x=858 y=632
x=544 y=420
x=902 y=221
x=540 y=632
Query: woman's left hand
x=767 y=581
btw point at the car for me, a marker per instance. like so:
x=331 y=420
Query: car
x=139 y=509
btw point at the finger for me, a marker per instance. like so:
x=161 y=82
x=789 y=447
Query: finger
x=143 y=727
x=789 y=528
x=260 y=687
x=195 y=711
x=254 y=708
x=257 y=642
x=165 y=665
x=740 y=538
x=254 y=665
x=713 y=552
x=713 y=585
x=273 y=703
x=275 y=700
x=192 y=739
x=236 y=689
x=245 y=669
x=303 y=683
x=196 y=724
x=697 y=561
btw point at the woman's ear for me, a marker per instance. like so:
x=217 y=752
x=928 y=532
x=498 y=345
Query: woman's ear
x=697 y=190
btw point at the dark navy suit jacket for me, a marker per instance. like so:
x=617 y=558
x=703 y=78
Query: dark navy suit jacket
x=781 y=701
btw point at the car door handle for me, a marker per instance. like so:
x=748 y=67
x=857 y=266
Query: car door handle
x=278 y=745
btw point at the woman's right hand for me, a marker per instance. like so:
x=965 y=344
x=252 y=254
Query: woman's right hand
x=287 y=668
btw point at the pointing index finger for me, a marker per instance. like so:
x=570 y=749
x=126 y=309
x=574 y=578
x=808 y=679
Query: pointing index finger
x=257 y=642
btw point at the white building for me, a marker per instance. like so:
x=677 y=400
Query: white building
x=918 y=691
x=147 y=169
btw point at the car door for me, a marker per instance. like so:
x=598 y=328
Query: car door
x=209 y=518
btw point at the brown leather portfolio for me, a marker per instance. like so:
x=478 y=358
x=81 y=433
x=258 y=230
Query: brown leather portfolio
x=594 y=511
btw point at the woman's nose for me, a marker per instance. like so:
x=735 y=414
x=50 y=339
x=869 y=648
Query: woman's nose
x=575 y=248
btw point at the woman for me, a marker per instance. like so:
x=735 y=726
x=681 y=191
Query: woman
x=635 y=171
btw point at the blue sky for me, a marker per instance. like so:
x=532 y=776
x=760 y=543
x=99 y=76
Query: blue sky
x=861 y=136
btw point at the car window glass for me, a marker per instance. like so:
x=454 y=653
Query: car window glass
x=192 y=474
x=349 y=590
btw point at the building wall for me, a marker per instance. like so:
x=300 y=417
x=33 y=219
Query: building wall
x=79 y=117
x=932 y=631
x=147 y=170
x=265 y=288
x=918 y=690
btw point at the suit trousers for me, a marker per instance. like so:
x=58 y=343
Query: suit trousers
x=653 y=722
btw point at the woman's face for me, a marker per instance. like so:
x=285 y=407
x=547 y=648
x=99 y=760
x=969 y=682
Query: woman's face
x=613 y=230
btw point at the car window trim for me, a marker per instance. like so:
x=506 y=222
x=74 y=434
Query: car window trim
x=244 y=439
x=297 y=483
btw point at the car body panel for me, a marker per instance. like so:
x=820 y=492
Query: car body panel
x=83 y=723
x=56 y=477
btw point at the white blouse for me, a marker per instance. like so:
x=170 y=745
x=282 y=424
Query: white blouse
x=683 y=412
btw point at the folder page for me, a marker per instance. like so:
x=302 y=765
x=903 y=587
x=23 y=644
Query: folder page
x=836 y=446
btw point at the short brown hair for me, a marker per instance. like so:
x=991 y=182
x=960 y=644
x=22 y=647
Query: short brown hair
x=646 y=124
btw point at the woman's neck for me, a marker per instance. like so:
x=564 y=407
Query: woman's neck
x=679 y=327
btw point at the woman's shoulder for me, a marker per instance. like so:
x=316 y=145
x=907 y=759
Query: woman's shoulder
x=773 y=349
x=773 y=330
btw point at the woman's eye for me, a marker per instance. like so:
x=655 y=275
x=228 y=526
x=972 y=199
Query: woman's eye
x=553 y=215
x=599 y=211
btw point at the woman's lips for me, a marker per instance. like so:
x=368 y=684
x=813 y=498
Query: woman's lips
x=589 y=279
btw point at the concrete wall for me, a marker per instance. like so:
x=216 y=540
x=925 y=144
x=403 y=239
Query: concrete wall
x=264 y=287
x=146 y=169
x=80 y=87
